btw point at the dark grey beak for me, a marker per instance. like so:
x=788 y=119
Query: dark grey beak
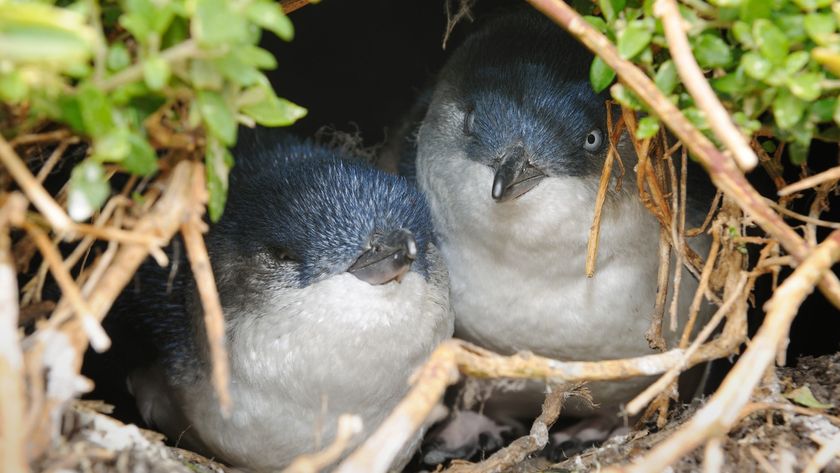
x=515 y=175
x=388 y=259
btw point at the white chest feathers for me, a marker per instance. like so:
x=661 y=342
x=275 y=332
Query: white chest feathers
x=517 y=268
x=300 y=359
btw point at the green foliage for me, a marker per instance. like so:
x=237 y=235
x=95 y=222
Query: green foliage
x=775 y=64
x=103 y=69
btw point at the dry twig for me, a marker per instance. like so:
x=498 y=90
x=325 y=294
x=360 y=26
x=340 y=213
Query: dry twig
x=348 y=427
x=695 y=82
x=13 y=404
x=723 y=409
x=832 y=174
x=214 y=321
x=825 y=454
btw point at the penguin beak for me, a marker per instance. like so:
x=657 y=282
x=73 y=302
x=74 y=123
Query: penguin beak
x=515 y=175
x=388 y=259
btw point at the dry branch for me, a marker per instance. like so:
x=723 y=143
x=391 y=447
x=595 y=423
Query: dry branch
x=348 y=427
x=214 y=321
x=695 y=82
x=722 y=411
x=832 y=174
x=12 y=401
x=723 y=171
x=30 y=186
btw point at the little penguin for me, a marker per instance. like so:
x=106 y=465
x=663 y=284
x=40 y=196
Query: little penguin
x=509 y=155
x=333 y=293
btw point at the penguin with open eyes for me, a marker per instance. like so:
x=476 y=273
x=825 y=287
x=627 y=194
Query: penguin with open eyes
x=509 y=153
x=333 y=292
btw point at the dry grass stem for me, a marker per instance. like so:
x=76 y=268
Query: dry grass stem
x=693 y=232
x=702 y=287
x=600 y=198
x=30 y=186
x=713 y=456
x=348 y=427
x=721 y=412
x=654 y=334
x=90 y=325
x=12 y=388
x=695 y=82
x=292 y=5
x=636 y=404
x=803 y=218
x=825 y=454
x=723 y=171
x=830 y=175
x=54 y=157
x=214 y=321
x=33 y=138
x=754 y=407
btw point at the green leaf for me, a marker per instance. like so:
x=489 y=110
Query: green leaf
x=87 y=190
x=95 y=109
x=745 y=123
x=625 y=97
x=696 y=117
x=752 y=10
x=796 y=61
x=756 y=66
x=204 y=75
x=804 y=397
x=666 y=78
x=793 y=26
x=274 y=111
x=216 y=24
x=610 y=8
x=141 y=158
x=771 y=41
x=828 y=58
x=156 y=72
x=711 y=51
x=806 y=86
x=111 y=147
x=743 y=34
x=787 y=109
x=823 y=110
x=811 y=5
x=269 y=15
x=257 y=57
x=13 y=89
x=600 y=75
x=217 y=116
x=71 y=113
x=725 y=3
x=597 y=22
x=731 y=83
x=237 y=71
x=648 y=127
x=118 y=57
x=820 y=27
x=633 y=39
x=217 y=162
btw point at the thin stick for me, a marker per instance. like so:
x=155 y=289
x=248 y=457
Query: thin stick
x=600 y=198
x=30 y=186
x=54 y=158
x=713 y=456
x=55 y=135
x=721 y=412
x=348 y=427
x=709 y=216
x=95 y=333
x=832 y=174
x=654 y=334
x=694 y=308
x=214 y=320
x=695 y=82
x=754 y=407
x=13 y=405
x=380 y=449
x=803 y=218
x=636 y=404
x=825 y=454
x=722 y=169
x=292 y=5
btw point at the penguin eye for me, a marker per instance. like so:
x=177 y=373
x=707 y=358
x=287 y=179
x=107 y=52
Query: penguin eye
x=594 y=140
x=469 y=121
